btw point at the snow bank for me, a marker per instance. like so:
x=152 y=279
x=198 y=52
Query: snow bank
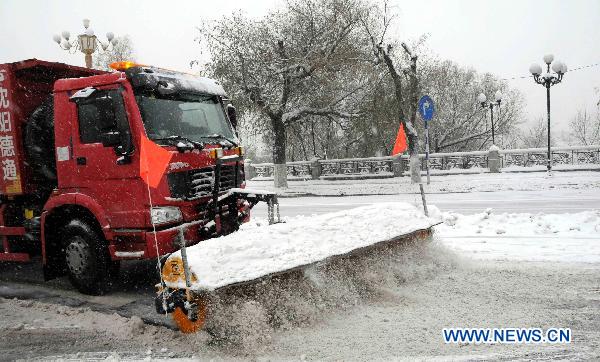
x=258 y=250
x=482 y=182
x=524 y=237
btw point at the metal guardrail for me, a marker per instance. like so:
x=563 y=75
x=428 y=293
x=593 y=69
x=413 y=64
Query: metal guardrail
x=579 y=155
x=389 y=166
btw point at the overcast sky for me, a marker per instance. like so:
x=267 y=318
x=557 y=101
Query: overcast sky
x=501 y=37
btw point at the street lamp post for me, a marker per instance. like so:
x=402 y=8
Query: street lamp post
x=86 y=42
x=482 y=99
x=548 y=80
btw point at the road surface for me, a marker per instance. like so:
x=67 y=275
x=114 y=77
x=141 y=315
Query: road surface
x=370 y=311
x=547 y=201
x=374 y=310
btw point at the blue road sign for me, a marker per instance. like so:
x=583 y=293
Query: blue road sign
x=426 y=108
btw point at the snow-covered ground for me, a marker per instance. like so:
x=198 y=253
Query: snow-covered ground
x=260 y=249
x=381 y=309
x=514 y=250
x=554 y=201
x=572 y=238
x=480 y=182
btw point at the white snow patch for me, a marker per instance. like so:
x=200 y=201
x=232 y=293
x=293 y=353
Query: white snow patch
x=480 y=182
x=573 y=238
x=256 y=250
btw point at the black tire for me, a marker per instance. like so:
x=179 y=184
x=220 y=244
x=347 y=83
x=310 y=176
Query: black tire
x=39 y=145
x=87 y=259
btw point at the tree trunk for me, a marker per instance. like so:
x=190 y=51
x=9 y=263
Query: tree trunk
x=407 y=116
x=413 y=138
x=279 y=157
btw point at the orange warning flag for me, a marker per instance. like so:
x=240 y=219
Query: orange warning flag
x=400 y=145
x=153 y=161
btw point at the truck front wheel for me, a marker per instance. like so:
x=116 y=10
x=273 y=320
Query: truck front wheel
x=87 y=258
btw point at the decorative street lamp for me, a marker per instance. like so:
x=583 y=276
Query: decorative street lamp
x=87 y=42
x=482 y=98
x=547 y=80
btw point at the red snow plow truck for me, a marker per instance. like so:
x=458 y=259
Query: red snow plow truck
x=72 y=186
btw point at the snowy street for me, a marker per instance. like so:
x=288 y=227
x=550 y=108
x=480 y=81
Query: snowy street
x=549 y=201
x=510 y=258
x=398 y=318
x=563 y=192
x=458 y=183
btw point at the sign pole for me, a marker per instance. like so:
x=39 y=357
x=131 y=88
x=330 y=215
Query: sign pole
x=427 y=150
x=426 y=110
x=423 y=199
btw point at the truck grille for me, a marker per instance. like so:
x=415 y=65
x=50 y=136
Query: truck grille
x=201 y=182
x=189 y=185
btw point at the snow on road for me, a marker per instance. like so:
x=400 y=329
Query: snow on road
x=391 y=308
x=563 y=192
x=260 y=249
x=547 y=201
x=571 y=238
x=532 y=260
x=478 y=182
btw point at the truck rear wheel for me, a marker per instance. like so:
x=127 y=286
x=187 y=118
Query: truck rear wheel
x=87 y=258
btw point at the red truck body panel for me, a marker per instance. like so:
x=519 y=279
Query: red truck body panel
x=23 y=87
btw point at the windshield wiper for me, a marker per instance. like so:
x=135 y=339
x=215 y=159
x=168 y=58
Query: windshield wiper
x=220 y=136
x=195 y=144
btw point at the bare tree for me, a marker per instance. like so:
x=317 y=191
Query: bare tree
x=376 y=24
x=536 y=135
x=584 y=128
x=122 y=51
x=288 y=65
x=461 y=123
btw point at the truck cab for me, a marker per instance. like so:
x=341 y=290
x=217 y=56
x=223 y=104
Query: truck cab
x=100 y=207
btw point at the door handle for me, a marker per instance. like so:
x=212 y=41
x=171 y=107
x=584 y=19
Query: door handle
x=81 y=160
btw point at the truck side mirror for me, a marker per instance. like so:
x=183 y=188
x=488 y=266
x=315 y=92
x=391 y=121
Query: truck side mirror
x=231 y=113
x=110 y=138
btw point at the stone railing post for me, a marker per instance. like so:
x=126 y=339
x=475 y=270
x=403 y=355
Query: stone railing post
x=494 y=159
x=315 y=168
x=397 y=165
x=249 y=169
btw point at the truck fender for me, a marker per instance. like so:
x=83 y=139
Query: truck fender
x=74 y=199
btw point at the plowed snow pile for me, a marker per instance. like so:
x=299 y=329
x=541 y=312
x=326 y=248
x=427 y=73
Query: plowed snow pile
x=524 y=237
x=258 y=250
x=248 y=318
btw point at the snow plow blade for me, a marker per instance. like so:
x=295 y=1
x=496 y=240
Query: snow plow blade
x=258 y=253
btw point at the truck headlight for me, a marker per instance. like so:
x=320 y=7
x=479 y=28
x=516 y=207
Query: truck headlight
x=165 y=214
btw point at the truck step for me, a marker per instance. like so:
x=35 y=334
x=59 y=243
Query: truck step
x=12 y=231
x=7 y=255
x=16 y=257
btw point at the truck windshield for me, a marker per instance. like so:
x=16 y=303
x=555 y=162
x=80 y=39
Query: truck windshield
x=194 y=117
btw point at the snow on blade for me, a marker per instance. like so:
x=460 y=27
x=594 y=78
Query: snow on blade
x=256 y=251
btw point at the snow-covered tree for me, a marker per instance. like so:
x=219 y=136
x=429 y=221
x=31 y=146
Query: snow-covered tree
x=536 y=135
x=584 y=128
x=289 y=65
x=461 y=124
x=376 y=23
x=122 y=51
